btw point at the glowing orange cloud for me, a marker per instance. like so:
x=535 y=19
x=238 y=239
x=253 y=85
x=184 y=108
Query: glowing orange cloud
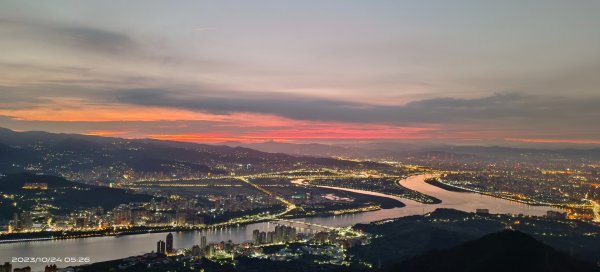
x=78 y=110
x=106 y=133
x=248 y=127
x=308 y=131
x=554 y=141
x=344 y=131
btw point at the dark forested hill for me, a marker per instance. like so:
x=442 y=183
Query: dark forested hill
x=408 y=237
x=497 y=252
x=61 y=194
x=93 y=158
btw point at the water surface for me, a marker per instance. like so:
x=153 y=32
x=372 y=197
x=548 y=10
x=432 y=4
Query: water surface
x=110 y=248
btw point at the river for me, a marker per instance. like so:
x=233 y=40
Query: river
x=100 y=249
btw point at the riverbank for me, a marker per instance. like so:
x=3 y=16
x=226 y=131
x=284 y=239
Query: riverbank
x=437 y=183
x=65 y=235
x=448 y=187
x=125 y=231
x=109 y=248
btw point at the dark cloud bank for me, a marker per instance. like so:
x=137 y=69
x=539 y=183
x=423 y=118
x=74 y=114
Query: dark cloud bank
x=511 y=107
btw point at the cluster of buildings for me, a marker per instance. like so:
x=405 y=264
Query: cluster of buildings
x=171 y=211
x=228 y=249
x=282 y=234
x=575 y=190
x=163 y=247
x=21 y=221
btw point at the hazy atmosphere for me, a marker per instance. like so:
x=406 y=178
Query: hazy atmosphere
x=215 y=71
x=270 y=136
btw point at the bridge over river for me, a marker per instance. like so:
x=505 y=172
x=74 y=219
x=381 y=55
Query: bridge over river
x=303 y=226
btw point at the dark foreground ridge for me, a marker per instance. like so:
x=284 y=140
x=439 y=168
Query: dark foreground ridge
x=503 y=251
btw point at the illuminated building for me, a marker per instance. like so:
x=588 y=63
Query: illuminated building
x=196 y=251
x=169 y=246
x=255 y=237
x=161 y=247
x=26 y=220
x=203 y=243
x=35 y=186
x=81 y=222
x=122 y=216
x=181 y=217
x=262 y=237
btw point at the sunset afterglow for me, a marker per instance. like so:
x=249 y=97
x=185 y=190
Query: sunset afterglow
x=213 y=72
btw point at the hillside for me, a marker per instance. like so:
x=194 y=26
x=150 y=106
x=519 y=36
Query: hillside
x=93 y=158
x=502 y=251
x=61 y=195
x=407 y=237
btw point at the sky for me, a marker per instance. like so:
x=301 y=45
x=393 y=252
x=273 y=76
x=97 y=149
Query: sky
x=304 y=71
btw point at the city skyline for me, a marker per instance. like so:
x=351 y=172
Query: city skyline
x=463 y=72
x=259 y=136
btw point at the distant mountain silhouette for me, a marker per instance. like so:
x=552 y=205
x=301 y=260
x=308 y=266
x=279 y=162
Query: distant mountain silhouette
x=504 y=251
x=84 y=155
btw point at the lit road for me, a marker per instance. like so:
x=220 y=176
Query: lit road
x=596 y=209
x=289 y=207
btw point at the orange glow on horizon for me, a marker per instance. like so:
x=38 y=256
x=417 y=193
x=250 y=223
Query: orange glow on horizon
x=334 y=131
x=554 y=141
x=106 y=133
x=78 y=110
x=238 y=126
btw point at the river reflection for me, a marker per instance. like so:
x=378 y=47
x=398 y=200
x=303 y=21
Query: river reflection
x=109 y=248
x=468 y=202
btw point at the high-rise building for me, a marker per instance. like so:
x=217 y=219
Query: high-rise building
x=161 y=247
x=203 y=243
x=80 y=222
x=255 y=237
x=211 y=250
x=278 y=237
x=122 y=216
x=139 y=216
x=15 y=221
x=26 y=220
x=169 y=243
x=196 y=251
x=181 y=217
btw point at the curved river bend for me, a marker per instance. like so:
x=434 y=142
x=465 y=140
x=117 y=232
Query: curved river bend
x=109 y=248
